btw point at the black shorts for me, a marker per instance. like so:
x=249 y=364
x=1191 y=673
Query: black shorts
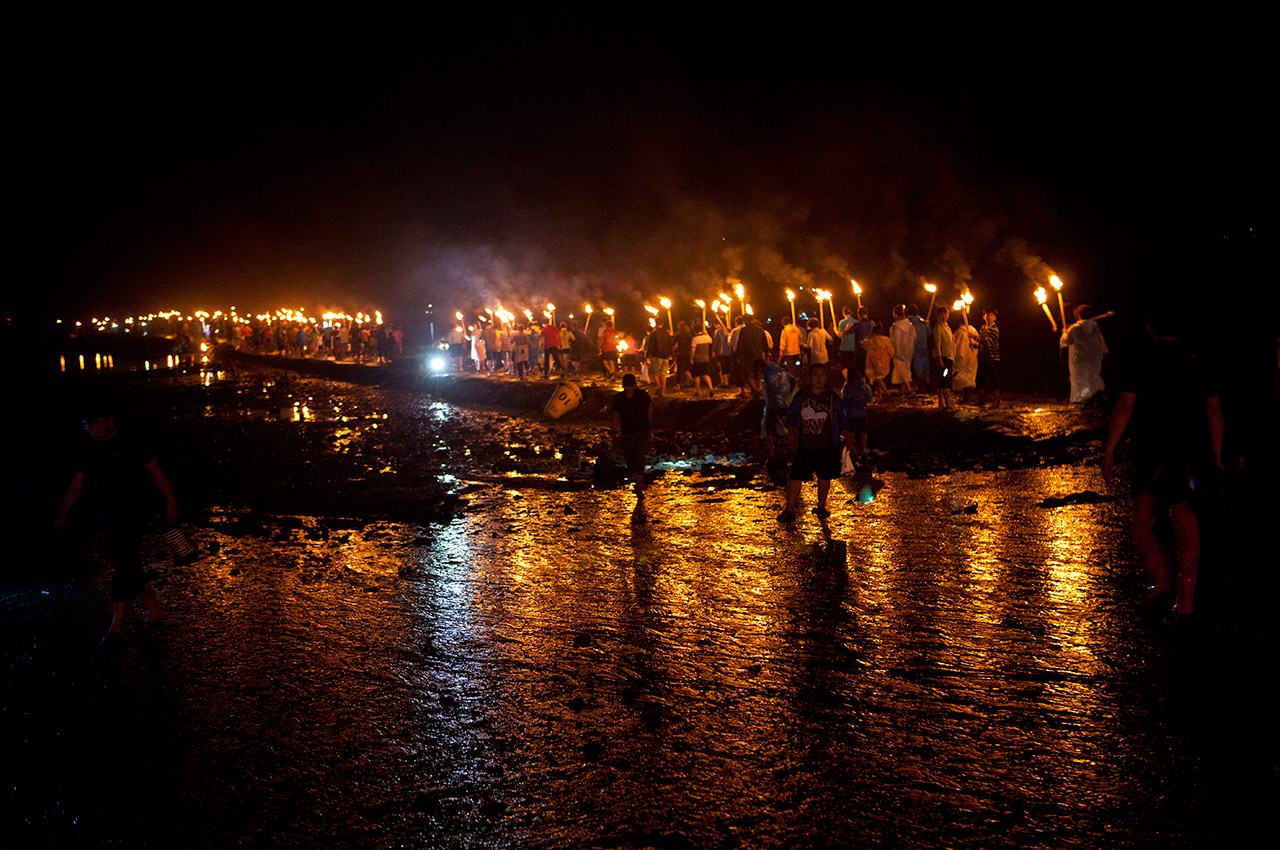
x=1168 y=481
x=699 y=369
x=824 y=463
x=848 y=359
x=633 y=447
x=122 y=544
x=988 y=377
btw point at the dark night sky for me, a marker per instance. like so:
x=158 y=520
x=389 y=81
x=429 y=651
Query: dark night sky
x=340 y=162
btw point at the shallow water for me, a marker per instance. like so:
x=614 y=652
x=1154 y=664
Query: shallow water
x=943 y=663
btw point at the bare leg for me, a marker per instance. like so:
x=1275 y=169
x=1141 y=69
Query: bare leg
x=793 y=495
x=118 y=611
x=1186 y=532
x=1154 y=558
x=155 y=612
x=824 y=487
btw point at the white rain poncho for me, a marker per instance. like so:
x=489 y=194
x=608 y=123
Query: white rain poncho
x=1086 y=349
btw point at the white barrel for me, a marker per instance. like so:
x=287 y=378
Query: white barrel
x=567 y=396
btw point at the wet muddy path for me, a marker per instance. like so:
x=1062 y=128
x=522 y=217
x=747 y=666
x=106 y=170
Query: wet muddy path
x=416 y=625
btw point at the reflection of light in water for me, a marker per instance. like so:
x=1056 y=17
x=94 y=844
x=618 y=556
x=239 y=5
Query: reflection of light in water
x=437 y=412
x=446 y=603
x=343 y=438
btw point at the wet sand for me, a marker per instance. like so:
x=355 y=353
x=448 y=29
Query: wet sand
x=417 y=624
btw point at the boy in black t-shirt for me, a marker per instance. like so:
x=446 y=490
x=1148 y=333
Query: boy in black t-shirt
x=631 y=425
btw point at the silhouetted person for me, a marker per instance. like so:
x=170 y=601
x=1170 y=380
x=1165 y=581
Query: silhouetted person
x=112 y=469
x=1173 y=416
x=632 y=421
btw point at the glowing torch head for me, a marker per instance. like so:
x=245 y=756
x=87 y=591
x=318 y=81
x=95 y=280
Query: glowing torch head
x=1041 y=295
x=791 y=296
x=1055 y=281
x=665 y=302
x=929 y=287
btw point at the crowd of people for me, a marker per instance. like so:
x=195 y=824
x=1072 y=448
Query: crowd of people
x=360 y=342
x=945 y=357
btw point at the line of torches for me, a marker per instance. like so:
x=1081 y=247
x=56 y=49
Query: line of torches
x=106 y=324
x=722 y=311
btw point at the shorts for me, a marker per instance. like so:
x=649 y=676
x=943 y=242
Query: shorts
x=858 y=424
x=633 y=447
x=700 y=369
x=608 y=357
x=940 y=372
x=824 y=463
x=122 y=545
x=1168 y=482
x=848 y=359
x=658 y=366
x=988 y=377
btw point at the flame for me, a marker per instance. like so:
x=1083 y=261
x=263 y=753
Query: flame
x=929 y=287
x=791 y=296
x=1041 y=295
x=1055 y=281
x=665 y=302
